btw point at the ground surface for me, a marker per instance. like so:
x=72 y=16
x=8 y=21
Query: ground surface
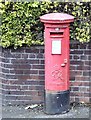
x=37 y=112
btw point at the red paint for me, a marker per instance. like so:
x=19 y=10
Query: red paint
x=57 y=65
x=57 y=18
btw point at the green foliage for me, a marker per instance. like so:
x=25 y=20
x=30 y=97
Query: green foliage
x=20 y=23
x=82 y=25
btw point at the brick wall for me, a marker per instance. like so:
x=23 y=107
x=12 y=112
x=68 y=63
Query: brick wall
x=80 y=72
x=22 y=74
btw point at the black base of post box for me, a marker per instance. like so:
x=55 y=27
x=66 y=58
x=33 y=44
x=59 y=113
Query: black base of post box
x=57 y=102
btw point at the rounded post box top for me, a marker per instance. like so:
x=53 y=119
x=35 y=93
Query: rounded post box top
x=57 y=18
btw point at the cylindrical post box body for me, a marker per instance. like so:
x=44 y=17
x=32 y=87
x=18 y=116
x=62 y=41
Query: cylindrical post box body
x=56 y=62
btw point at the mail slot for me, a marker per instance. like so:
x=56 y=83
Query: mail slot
x=57 y=93
x=56 y=34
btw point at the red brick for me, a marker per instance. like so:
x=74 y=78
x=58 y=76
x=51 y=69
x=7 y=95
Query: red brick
x=72 y=99
x=42 y=50
x=24 y=87
x=34 y=61
x=74 y=88
x=31 y=55
x=83 y=89
x=83 y=67
x=87 y=95
x=78 y=72
x=32 y=87
x=76 y=57
x=18 y=50
x=16 y=71
x=83 y=57
x=88 y=52
x=32 y=92
x=71 y=57
x=42 y=62
x=86 y=73
x=5 y=70
x=23 y=77
x=87 y=63
x=8 y=65
x=89 y=57
x=9 y=76
x=72 y=67
x=82 y=78
x=11 y=97
x=36 y=98
x=76 y=99
x=84 y=99
x=38 y=67
x=36 y=87
x=40 y=55
x=79 y=94
x=16 y=92
x=33 y=77
x=24 y=97
x=10 y=87
x=15 y=55
x=72 y=78
x=23 y=61
x=41 y=93
x=25 y=55
x=30 y=71
x=89 y=45
x=41 y=72
x=5 y=60
x=82 y=46
x=74 y=62
x=21 y=66
x=76 y=52
x=72 y=73
x=76 y=83
x=85 y=83
x=40 y=87
x=32 y=50
x=74 y=46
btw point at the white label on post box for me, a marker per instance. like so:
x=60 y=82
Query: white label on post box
x=56 y=46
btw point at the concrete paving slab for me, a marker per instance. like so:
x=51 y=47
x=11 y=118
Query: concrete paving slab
x=21 y=112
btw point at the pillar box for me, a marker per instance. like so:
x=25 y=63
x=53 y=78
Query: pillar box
x=56 y=37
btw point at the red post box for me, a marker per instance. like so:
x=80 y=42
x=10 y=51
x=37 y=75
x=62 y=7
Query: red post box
x=56 y=62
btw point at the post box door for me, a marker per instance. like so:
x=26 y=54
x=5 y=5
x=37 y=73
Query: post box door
x=57 y=62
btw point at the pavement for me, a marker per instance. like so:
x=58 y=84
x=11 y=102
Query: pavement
x=38 y=112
